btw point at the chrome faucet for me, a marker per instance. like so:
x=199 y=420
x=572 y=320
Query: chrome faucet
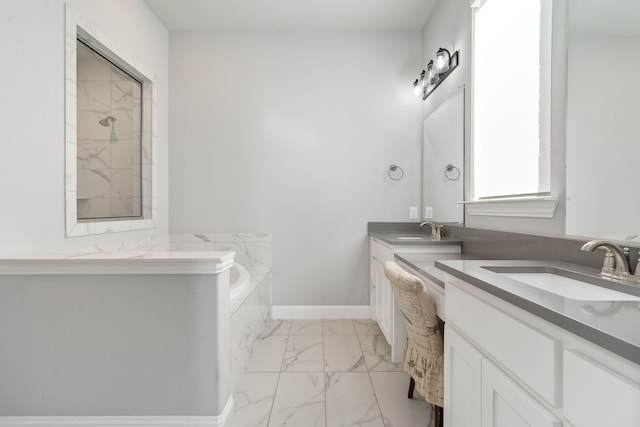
x=436 y=229
x=618 y=267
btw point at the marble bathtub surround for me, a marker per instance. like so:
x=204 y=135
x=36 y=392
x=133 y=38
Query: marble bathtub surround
x=325 y=373
x=248 y=316
x=253 y=251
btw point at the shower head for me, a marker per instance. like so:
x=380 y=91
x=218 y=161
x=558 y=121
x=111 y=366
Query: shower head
x=107 y=121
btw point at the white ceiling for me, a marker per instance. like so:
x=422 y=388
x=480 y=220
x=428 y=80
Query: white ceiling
x=292 y=15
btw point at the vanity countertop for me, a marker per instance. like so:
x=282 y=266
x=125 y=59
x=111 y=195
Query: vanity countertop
x=613 y=325
x=424 y=263
x=406 y=238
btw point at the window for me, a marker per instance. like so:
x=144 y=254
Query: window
x=511 y=98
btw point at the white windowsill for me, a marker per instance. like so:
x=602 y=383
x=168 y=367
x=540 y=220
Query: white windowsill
x=525 y=207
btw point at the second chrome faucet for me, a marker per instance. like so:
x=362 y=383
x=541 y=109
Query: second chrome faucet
x=616 y=263
x=436 y=229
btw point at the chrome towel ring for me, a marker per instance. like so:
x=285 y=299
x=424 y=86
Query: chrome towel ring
x=451 y=172
x=395 y=172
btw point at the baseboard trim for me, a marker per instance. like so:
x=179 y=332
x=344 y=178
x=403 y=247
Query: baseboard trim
x=123 y=421
x=321 y=312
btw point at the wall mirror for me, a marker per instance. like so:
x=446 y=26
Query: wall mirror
x=443 y=161
x=603 y=135
x=109 y=135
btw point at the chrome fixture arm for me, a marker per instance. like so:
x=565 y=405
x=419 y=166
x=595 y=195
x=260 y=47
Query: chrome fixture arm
x=436 y=229
x=619 y=269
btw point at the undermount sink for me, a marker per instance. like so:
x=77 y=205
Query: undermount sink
x=561 y=283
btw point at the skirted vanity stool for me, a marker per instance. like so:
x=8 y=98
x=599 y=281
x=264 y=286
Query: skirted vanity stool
x=423 y=354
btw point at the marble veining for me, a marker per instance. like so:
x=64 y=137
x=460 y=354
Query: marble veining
x=306 y=327
x=377 y=353
x=303 y=353
x=327 y=398
x=351 y=401
x=106 y=148
x=253 y=399
x=343 y=353
x=299 y=401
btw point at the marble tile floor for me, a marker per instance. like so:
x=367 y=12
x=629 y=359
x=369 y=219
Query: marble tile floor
x=326 y=373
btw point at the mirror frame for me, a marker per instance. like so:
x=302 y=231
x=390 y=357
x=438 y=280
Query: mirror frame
x=77 y=27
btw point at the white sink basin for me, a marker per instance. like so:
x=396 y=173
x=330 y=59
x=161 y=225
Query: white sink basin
x=411 y=238
x=567 y=287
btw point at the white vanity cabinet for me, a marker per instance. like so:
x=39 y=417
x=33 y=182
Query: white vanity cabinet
x=380 y=298
x=383 y=308
x=595 y=395
x=462 y=381
x=505 y=367
x=505 y=404
x=478 y=393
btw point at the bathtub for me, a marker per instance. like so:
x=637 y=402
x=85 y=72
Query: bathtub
x=116 y=334
x=249 y=307
x=99 y=316
x=239 y=284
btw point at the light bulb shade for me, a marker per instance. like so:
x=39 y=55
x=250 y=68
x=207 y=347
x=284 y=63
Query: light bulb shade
x=424 y=80
x=417 y=87
x=441 y=64
x=432 y=74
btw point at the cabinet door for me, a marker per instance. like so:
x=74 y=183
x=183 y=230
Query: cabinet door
x=372 y=290
x=376 y=282
x=381 y=298
x=384 y=305
x=505 y=404
x=462 y=376
x=594 y=395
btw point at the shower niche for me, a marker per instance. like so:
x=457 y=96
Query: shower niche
x=110 y=135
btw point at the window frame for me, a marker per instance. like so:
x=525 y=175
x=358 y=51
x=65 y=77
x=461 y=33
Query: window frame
x=76 y=29
x=533 y=205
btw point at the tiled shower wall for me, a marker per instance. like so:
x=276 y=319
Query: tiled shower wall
x=108 y=156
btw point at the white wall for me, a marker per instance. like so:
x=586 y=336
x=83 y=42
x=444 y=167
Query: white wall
x=292 y=134
x=450 y=27
x=32 y=37
x=602 y=137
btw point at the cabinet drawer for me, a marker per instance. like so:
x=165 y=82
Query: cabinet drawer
x=527 y=353
x=381 y=252
x=595 y=396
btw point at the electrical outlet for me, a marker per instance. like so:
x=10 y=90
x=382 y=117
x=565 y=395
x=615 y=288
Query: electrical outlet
x=413 y=212
x=428 y=212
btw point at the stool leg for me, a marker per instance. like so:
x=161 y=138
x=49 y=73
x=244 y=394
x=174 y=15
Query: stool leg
x=412 y=385
x=438 y=419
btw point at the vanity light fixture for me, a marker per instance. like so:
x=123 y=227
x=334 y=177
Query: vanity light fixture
x=437 y=71
x=442 y=60
x=417 y=87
